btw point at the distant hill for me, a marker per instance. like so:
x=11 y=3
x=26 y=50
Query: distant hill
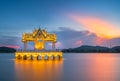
x=92 y=49
x=116 y=49
x=7 y=50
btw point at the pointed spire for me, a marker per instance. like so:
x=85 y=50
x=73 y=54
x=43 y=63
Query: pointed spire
x=39 y=28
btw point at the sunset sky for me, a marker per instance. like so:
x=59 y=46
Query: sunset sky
x=76 y=22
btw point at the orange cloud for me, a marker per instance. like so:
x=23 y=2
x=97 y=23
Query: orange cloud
x=78 y=43
x=97 y=26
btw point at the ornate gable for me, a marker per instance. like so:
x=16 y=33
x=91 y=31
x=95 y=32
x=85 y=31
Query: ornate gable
x=39 y=33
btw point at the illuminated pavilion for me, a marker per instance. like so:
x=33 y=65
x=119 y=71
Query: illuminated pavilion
x=39 y=37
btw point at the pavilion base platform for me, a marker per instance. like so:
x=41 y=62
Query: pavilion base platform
x=51 y=55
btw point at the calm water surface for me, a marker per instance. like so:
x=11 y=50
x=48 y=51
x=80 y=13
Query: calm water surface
x=73 y=67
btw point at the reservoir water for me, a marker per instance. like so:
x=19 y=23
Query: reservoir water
x=73 y=67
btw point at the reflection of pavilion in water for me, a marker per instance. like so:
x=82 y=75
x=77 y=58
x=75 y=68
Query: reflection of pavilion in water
x=27 y=70
x=39 y=37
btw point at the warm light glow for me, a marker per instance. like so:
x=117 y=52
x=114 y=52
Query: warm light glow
x=35 y=54
x=98 y=26
x=39 y=45
x=27 y=70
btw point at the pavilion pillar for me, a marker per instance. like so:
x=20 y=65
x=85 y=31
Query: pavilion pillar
x=53 y=46
x=25 y=46
x=44 y=45
x=34 y=46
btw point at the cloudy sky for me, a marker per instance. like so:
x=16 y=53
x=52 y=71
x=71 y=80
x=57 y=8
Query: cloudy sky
x=76 y=22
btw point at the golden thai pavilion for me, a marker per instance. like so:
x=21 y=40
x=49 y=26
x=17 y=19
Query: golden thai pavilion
x=39 y=37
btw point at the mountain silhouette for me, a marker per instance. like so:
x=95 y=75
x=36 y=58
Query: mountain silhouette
x=7 y=50
x=93 y=49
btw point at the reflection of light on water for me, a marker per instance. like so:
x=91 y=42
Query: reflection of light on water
x=102 y=67
x=43 y=70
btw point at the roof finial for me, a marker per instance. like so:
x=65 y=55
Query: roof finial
x=39 y=27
